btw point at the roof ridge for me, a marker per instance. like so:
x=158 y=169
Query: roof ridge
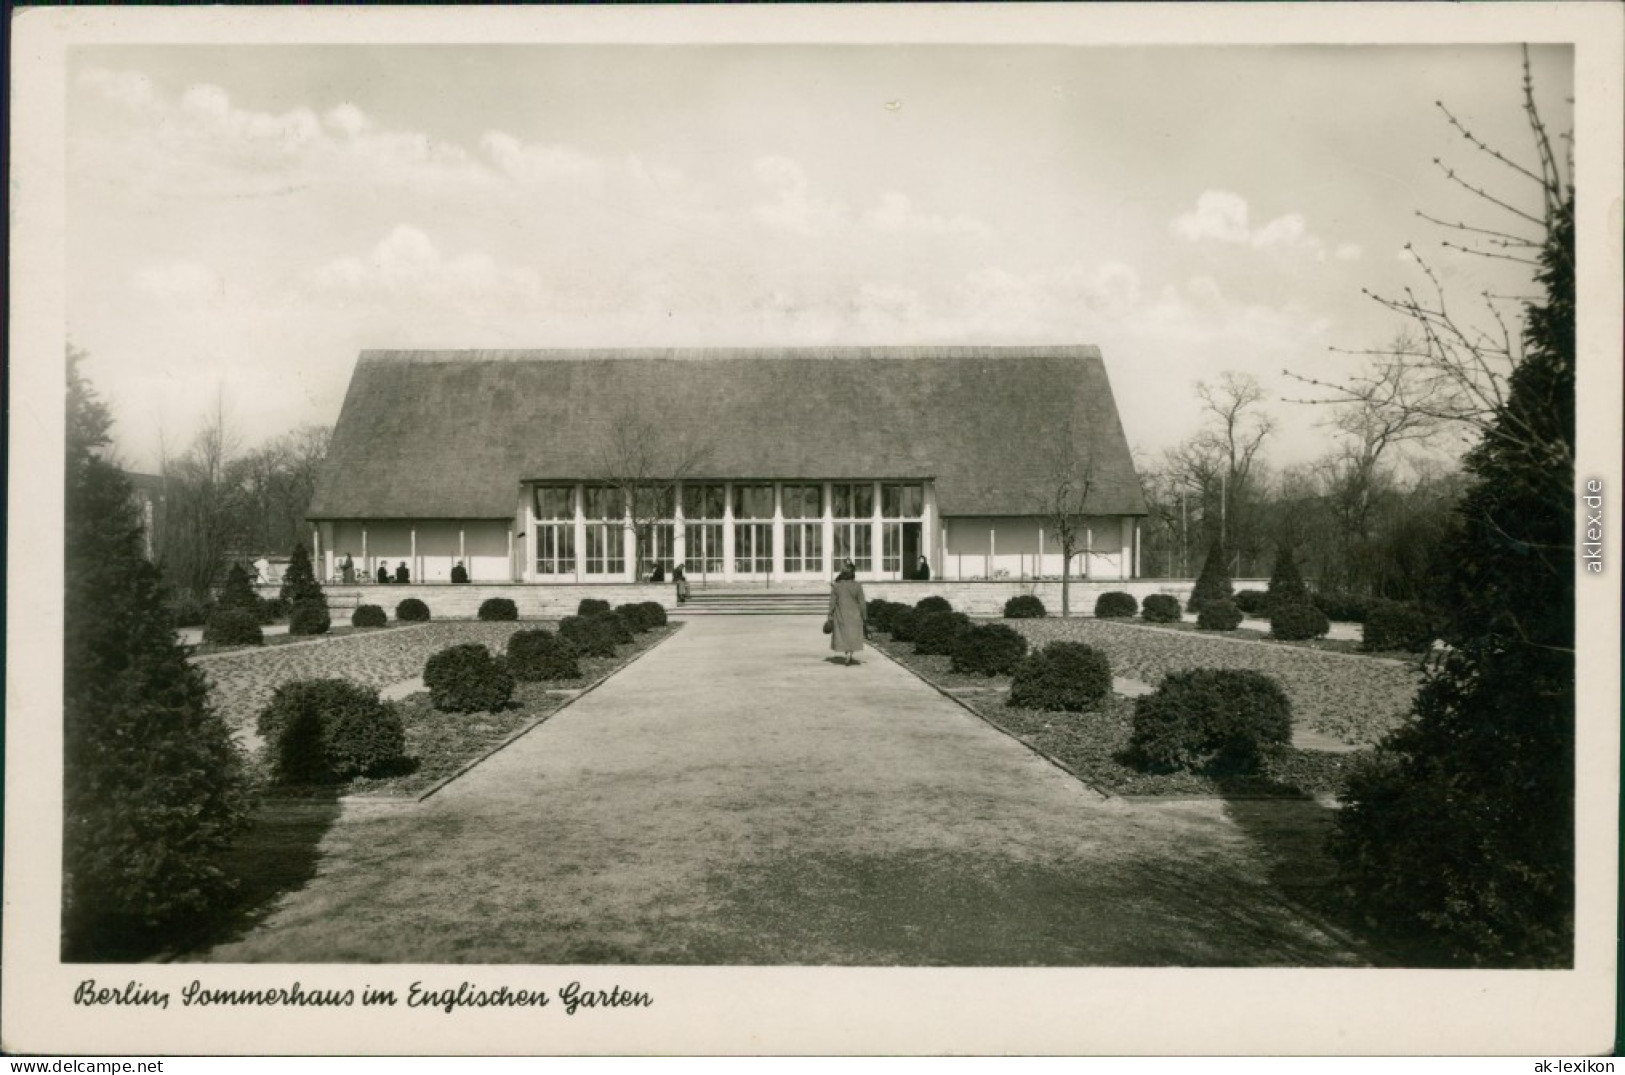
x=596 y=354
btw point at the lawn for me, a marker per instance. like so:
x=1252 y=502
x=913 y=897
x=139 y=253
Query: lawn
x=1326 y=692
x=439 y=745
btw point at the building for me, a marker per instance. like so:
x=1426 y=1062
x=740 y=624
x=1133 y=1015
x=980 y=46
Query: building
x=516 y=463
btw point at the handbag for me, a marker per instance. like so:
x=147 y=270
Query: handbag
x=829 y=625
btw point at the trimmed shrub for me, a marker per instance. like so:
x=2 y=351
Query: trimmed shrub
x=272 y=609
x=935 y=632
x=1286 y=582
x=1211 y=720
x=323 y=730
x=536 y=654
x=1213 y=584
x=187 y=611
x=881 y=613
x=238 y=593
x=587 y=637
x=903 y=621
x=498 y=610
x=412 y=610
x=1025 y=606
x=635 y=617
x=1253 y=602
x=368 y=616
x=1219 y=616
x=1161 y=608
x=1115 y=604
x=654 y=613
x=989 y=649
x=592 y=606
x=233 y=627
x=1063 y=675
x=1295 y=623
x=310 y=618
x=1392 y=625
x=1338 y=605
x=299 y=585
x=465 y=678
x=933 y=604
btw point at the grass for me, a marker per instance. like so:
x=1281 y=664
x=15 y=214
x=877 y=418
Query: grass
x=439 y=745
x=1093 y=745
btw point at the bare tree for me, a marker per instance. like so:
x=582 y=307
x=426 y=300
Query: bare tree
x=203 y=517
x=1066 y=498
x=1451 y=367
x=646 y=460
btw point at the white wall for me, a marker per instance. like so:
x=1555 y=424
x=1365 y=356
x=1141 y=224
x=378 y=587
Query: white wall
x=484 y=545
x=1009 y=547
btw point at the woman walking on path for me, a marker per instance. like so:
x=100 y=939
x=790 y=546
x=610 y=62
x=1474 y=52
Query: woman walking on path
x=847 y=614
x=681 y=580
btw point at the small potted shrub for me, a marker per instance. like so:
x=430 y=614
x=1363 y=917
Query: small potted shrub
x=465 y=678
x=538 y=654
x=1115 y=604
x=368 y=616
x=309 y=618
x=322 y=730
x=1024 y=606
x=935 y=632
x=592 y=606
x=412 y=610
x=1296 y=623
x=1161 y=608
x=498 y=610
x=1218 y=616
x=1063 y=675
x=233 y=627
x=1211 y=720
x=989 y=649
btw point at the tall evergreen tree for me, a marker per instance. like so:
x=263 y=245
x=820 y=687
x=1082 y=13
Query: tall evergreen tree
x=1462 y=830
x=153 y=787
x=238 y=592
x=299 y=585
x=1213 y=584
x=1286 y=581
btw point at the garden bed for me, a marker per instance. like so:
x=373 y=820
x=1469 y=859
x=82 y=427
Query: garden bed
x=1354 y=701
x=1091 y=745
x=440 y=745
x=204 y=649
x=1252 y=634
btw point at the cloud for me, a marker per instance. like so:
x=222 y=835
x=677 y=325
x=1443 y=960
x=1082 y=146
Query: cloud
x=896 y=213
x=1224 y=217
x=182 y=284
x=535 y=162
x=793 y=207
x=406 y=264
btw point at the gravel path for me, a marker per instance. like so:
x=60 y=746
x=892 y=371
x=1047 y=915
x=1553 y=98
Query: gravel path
x=1349 y=698
x=242 y=683
x=733 y=797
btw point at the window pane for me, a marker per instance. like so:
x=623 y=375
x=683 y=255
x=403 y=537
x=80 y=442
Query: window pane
x=702 y=501
x=753 y=502
x=704 y=549
x=556 y=550
x=602 y=502
x=555 y=502
x=913 y=501
x=902 y=501
x=863 y=501
x=892 y=535
x=803 y=501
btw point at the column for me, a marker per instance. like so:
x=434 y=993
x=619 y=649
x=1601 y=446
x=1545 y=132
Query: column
x=877 y=536
x=629 y=545
x=417 y=570
x=778 y=531
x=528 y=572
x=928 y=517
x=679 y=531
x=510 y=552
x=1126 y=561
x=828 y=562
x=577 y=498
x=366 y=567
x=727 y=531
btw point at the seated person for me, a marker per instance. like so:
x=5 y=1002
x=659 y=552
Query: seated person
x=658 y=574
x=401 y=574
x=459 y=573
x=383 y=572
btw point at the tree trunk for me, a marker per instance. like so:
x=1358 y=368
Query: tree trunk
x=1066 y=581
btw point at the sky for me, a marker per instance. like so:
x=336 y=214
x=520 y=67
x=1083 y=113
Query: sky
x=244 y=220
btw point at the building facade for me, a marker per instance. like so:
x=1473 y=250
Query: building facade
x=743 y=466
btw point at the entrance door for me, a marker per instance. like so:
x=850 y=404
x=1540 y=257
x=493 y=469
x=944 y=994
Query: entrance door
x=911 y=549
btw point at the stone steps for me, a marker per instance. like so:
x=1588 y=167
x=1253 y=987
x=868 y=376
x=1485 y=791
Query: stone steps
x=753 y=603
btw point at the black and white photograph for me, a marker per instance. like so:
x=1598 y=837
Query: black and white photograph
x=864 y=530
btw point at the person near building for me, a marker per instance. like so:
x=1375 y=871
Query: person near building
x=681 y=580
x=347 y=570
x=401 y=574
x=848 y=615
x=459 y=573
x=383 y=573
x=922 y=570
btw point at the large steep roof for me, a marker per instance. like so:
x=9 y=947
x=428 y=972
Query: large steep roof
x=452 y=434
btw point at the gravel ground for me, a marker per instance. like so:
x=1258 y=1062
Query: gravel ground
x=241 y=683
x=1352 y=699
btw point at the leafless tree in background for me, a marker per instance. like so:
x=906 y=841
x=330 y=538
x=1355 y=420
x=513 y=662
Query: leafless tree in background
x=646 y=461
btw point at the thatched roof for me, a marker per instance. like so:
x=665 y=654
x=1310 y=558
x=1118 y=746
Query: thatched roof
x=452 y=434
